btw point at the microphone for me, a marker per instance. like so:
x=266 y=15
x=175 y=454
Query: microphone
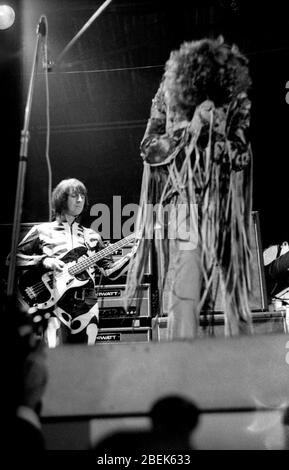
x=41 y=27
x=47 y=64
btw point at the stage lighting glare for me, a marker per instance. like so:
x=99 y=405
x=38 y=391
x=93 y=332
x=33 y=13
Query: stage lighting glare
x=7 y=16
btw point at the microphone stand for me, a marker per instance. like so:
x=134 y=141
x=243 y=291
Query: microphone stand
x=41 y=31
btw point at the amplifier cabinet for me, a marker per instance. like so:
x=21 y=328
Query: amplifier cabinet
x=111 y=301
x=258 y=300
x=263 y=323
x=212 y=325
x=125 y=321
x=123 y=335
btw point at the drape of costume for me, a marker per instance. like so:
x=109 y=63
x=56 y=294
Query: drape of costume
x=195 y=208
x=77 y=311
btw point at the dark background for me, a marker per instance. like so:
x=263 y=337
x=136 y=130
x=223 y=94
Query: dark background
x=100 y=95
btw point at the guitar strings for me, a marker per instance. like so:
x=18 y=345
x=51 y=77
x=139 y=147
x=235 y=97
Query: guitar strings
x=41 y=287
x=97 y=256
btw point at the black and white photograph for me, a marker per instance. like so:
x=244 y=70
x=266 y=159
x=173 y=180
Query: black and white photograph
x=144 y=259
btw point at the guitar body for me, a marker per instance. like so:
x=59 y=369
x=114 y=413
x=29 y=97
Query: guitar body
x=42 y=288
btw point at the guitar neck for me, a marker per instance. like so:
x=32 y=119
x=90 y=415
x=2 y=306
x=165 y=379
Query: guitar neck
x=88 y=262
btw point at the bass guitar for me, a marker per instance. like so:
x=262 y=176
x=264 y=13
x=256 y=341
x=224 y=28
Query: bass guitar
x=43 y=289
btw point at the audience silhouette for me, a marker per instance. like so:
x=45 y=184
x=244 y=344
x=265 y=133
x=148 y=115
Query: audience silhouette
x=173 y=420
x=285 y=422
x=27 y=378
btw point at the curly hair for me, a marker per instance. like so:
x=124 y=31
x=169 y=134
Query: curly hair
x=61 y=192
x=205 y=70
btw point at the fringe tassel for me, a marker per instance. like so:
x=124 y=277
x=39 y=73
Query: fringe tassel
x=224 y=213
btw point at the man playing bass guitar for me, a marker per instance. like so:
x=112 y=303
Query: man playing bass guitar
x=60 y=260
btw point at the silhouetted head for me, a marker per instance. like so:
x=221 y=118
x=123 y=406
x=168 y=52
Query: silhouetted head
x=285 y=422
x=174 y=414
x=286 y=416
